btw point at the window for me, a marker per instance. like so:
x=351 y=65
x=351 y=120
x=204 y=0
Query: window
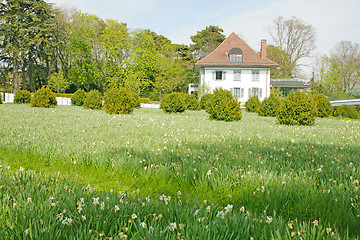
x=255 y=75
x=238 y=92
x=235 y=55
x=237 y=75
x=255 y=92
x=219 y=75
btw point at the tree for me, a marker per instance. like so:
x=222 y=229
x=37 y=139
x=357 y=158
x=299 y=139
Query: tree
x=280 y=57
x=58 y=83
x=295 y=39
x=207 y=40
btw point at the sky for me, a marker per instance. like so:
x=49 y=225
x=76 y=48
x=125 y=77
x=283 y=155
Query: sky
x=333 y=20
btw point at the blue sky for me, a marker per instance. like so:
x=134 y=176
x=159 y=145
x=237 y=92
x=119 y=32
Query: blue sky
x=177 y=20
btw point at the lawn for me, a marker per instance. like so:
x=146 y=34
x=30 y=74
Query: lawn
x=305 y=179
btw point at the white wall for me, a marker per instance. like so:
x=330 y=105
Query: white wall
x=246 y=82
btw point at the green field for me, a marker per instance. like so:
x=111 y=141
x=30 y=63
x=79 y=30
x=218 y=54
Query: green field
x=296 y=176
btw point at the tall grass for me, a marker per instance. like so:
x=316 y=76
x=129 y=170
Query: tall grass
x=301 y=173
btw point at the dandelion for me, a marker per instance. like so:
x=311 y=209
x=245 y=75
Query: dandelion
x=133 y=216
x=172 y=226
x=116 y=208
x=143 y=225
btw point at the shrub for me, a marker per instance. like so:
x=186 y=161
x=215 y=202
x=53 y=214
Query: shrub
x=346 y=111
x=135 y=100
x=93 y=100
x=191 y=103
x=324 y=108
x=223 y=106
x=269 y=106
x=1 y=95
x=119 y=101
x=78 y=97
x=297 y=109
x=43 y=97
x=22 y=96
x=144 y=100
x=173 y=102
x=253 y=104
x=204 y=99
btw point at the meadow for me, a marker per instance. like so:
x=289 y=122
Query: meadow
x=240 y=180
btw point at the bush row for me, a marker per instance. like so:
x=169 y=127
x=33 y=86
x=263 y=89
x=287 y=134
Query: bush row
x=177 y=102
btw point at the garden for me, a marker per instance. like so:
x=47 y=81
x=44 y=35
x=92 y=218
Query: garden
x=74 y=173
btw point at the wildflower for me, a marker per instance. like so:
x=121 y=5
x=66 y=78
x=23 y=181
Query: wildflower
x=116 y=208
x=293 y=234
x=151 y=229
x=292 y=140
x=29 y=199
x=102 y=205
x=196 y=212
x=21 y=169
x=147 y=198
x=172 y=226
x=242 y=209
x=95 y=201
x=328 y=230
x=208 y=173
x=208 y=209
x=83 y=217
x=269 y=219
x=178 y=193
x=133 y=216
x=143 y=225
x=27 y=231
x=290 y=226
x=221 y=214
x=315 y=222
x=228 y=208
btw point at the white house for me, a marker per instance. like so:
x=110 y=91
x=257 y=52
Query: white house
x=235 y=66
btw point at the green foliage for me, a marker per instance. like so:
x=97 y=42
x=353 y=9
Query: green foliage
x=269 y=106
x=253 y=104
x=119 y=101
x=348 y=111
x=93 y=100
x=297 y=109
x=43 y=97
x=144 y=100
x=135 y=100
x=1 y=96
x=204 y=100
x=173 y=103
x=207 y=40
x=78 y=98
x=22 y=96
x=223 y=106
x=58 y=83
x=324 y=108
x=191 y=102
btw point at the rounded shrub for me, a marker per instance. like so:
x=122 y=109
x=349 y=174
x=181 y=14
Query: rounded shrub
x=135 y=100
x=269 y=106
x=43 y=97
x=223 y=106
x=22 y=96
x=78 y=97
x=191 y=103
x=204 y=99
x=253 y=104
x=173 y=102
x=346 y=111
x=119 y=101
x=93 y=100
x=323 y=105
x=1 y=95
x=297 y=109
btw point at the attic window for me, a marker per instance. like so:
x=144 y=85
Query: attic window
x=235 y=55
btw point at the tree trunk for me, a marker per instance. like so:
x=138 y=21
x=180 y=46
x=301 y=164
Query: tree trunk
x=31 y=83
x=15 y=75
x=23 y=76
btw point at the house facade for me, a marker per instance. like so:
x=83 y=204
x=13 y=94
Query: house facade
x=236 y=67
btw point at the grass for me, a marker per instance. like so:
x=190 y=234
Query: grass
x=300 y=173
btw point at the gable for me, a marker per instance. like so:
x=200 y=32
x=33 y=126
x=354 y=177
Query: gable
x=221 y=57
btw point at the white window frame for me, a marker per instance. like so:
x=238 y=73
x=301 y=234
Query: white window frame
x=237 y=75
x=255 y=91
x=215 y=75
x=255 y=74
x=237 y=92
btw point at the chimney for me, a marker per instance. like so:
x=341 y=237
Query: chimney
x=263 y=49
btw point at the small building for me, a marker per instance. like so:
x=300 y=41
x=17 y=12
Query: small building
x=288 y=85
x=236 y=67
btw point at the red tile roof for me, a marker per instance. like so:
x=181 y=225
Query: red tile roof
x=219 y=57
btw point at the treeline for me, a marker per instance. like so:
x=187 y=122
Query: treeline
x=70 y=50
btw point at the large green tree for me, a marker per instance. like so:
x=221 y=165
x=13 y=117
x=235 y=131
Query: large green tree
x=207 y=40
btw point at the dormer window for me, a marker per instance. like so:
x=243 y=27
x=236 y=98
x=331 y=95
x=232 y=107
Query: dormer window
x=235 y=55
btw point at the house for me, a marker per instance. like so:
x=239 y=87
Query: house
x=235 y=66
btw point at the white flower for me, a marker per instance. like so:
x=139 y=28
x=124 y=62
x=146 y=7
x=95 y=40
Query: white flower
x=172 y=226
x=21 y=169
x=83 y=217
x=102 y=205
x=133 y=216
x=196 y=212
x=269 y=219
x=95 y=201
x=242 y=209
x=292 y=140
x=143 y=225
x=208 y=173
x=147 y=198
x=116 y=208
x=208 y=209
x=27 y=231
x=228 y=208
x=221 y=214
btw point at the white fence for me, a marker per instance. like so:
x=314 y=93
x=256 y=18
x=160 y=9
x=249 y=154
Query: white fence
x=345 y=102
